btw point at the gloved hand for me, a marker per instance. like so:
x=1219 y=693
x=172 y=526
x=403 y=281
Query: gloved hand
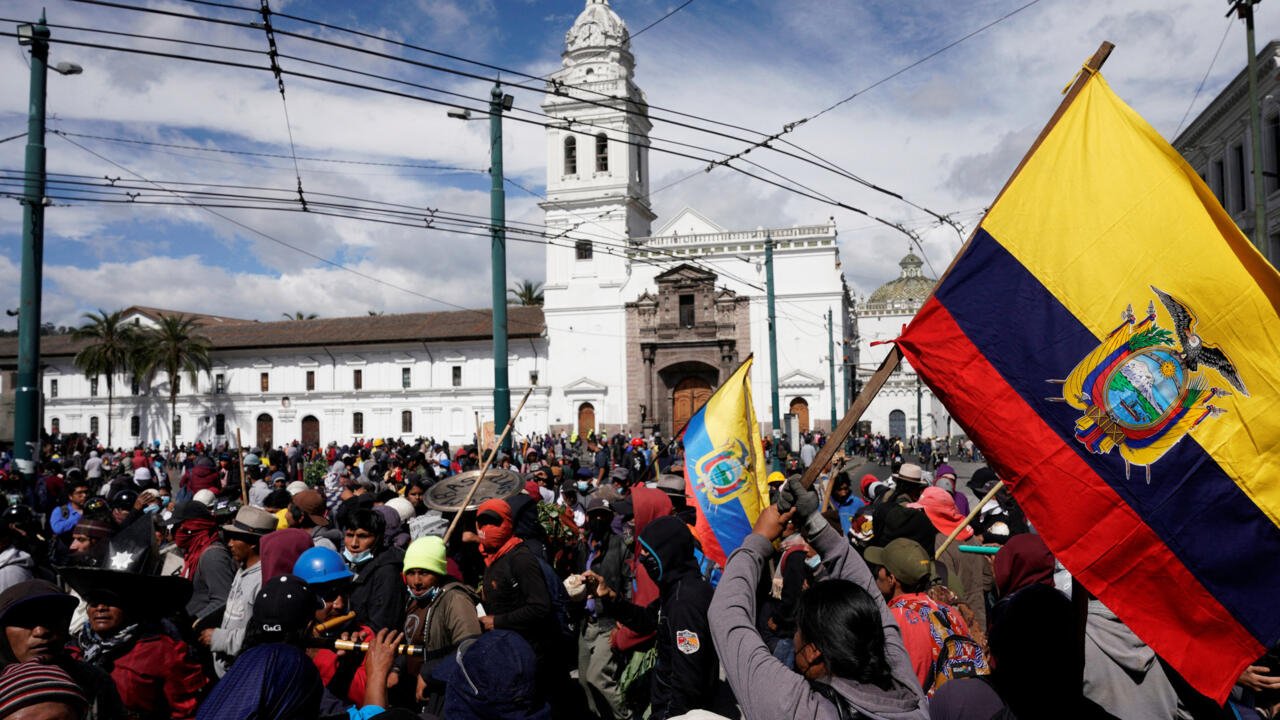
x=805 y=500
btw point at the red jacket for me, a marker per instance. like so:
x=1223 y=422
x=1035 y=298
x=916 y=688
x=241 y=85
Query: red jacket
x=202 y=477
x=158 y=679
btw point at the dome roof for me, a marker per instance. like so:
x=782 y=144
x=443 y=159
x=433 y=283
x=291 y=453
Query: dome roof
x=597 y=26
x=907 y=292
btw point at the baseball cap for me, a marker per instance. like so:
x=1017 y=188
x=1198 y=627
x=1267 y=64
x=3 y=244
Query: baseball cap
x=311 y=502
x=284 y=604
x=598 y=504
x=906 y=559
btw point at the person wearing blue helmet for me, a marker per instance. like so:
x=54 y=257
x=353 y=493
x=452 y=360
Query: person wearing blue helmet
x=328 y=577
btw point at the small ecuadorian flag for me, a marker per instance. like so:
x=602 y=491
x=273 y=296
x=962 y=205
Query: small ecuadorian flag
x=724 y=466
x=1110 y=339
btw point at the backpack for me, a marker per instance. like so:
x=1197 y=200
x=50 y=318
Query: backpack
x=959 y=656
x=559 y=603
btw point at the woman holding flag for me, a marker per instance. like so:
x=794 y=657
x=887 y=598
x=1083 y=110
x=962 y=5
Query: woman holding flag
x=850 y=660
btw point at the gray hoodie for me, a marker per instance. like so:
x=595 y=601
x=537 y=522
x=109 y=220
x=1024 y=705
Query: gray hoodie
x=1122 y=674
x=15 y=567
x=766 y=689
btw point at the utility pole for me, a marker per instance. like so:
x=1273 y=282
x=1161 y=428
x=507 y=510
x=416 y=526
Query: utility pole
x=919 y=410
x=498 y=251
x=831 y=366
x=26 y=404
x=773 y=336
x=1244 y=10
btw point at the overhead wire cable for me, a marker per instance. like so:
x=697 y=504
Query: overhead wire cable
x=273 y=53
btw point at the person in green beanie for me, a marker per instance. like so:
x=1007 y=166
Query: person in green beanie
x=439 y=614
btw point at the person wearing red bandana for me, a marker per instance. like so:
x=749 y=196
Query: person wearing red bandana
x=514 y=589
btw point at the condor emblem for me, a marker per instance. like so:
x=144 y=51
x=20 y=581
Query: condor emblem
x=1145 y=386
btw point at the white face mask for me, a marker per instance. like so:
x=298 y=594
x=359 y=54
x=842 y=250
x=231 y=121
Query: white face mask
x=813 y=562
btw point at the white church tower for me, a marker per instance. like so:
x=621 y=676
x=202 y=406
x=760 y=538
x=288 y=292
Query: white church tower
x=597 y=201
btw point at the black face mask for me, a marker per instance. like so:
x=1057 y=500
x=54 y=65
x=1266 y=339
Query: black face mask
x=652 y=566
x=600 y=527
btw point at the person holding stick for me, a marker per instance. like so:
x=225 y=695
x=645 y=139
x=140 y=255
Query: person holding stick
x=849 y=653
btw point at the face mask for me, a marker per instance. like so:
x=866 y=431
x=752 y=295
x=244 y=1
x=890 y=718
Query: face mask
x=582 y=486
x=428 y=596
x=813 y=562
x=164 y=501
x=652 y=566
x=356 y=559
x=151 y=509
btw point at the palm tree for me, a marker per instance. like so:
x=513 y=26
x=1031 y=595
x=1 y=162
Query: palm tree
x=111 y=348
x=174 y=346
x=299 y=315
x=526 y=292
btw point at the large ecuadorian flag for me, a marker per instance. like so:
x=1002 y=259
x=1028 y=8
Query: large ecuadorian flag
x=724 y=466
x=1112 y=342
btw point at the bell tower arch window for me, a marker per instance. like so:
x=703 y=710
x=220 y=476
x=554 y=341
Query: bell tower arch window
x=602 y=153
x=570 y=155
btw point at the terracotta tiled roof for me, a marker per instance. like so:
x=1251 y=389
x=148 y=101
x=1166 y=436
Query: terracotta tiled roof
x=201 y=318
x=522 y=322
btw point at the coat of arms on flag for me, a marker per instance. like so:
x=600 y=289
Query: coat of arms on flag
x=1144 y=387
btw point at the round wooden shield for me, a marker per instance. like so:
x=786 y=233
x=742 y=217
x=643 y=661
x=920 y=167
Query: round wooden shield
x=448 y=494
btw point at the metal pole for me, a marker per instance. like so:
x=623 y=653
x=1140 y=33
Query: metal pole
x=26 y=422
x=1244 y=8
x=498 y=251
x=919 y=410
x=776 y=417
x=831 y=365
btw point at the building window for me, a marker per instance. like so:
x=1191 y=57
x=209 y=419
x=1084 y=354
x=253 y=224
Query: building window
x=357 y=379
x=219 y=384
x=1237 y=194
x=406 y=378
x=406 y=421
x=133 y=385
x=686 y=311
x=1218 y=178
x=264 y=382
x=357 y=423
x=53 y=388
x=457 y=376
x=533 y=377
x=1272 y=144
x=93 y=424
x=311 y=379
x=583 y=250
x=602 y=153
x=177 y=425
x=135 y=426
x=639 y=169
x=93 y=387
x=219 y=424
x=571 y=155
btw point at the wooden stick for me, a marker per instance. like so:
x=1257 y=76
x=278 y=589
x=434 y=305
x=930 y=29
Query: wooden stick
x=851 y=417
x=244 y=486
x=972 y=514
x=332 y=623
x=484 y=468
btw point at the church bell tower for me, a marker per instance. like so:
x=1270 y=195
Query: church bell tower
x=597 y=155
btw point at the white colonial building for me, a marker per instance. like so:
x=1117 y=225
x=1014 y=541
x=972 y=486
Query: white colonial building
x=904 y=407
x=642 y=325
x=322 y=380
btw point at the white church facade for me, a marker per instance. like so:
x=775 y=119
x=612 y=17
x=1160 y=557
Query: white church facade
x=642 y=317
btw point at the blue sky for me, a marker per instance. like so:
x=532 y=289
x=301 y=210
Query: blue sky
x=945 y=134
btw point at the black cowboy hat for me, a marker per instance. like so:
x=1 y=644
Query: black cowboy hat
x=129 y=574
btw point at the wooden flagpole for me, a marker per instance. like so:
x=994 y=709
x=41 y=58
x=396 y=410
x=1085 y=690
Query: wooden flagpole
x=244 y=485
x=860 y=404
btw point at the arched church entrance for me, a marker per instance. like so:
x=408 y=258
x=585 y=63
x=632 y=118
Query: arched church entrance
x=800 y=408
x=690 y=395
x=586 y=419
x=266 y=427
x=898 y=424
x=310 y=431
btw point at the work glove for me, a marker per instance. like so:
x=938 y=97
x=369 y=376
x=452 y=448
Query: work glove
x=805 y=500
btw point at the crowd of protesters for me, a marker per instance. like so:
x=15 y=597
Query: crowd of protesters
x=163 y=584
